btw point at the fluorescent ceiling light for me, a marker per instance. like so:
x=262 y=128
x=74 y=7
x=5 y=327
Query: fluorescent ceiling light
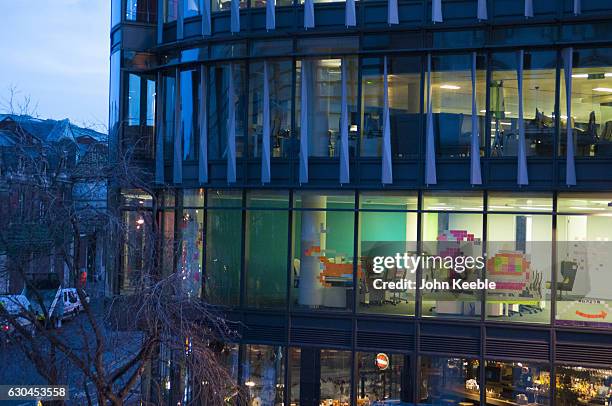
x=483 y=111
x=450 y=87
x=580 y=75
x=603 y=89
x=547 y=208
x=608 y=75
x=586 y=208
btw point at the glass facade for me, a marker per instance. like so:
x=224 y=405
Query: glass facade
x=404 y=88
x=449 y=381
x=591 y=114
x=279 y=91
x=451 y=101
x=314 y=234
x=323 y=103
x=300 y=262
x=524 y=383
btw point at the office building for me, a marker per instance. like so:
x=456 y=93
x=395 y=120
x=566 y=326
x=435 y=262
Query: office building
x=294 y=142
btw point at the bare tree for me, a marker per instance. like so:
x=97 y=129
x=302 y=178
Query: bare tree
x=132 y=347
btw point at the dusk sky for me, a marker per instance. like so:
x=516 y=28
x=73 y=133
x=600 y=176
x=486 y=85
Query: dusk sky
x=57 y=52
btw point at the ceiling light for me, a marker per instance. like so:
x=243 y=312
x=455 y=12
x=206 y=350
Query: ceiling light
x=580 y=75
x=603 y=89
x=608 y=75
x=586 y=208
x=483 y=111
x=450 y=87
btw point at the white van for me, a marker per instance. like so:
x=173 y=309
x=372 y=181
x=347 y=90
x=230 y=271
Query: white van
x=72 y=302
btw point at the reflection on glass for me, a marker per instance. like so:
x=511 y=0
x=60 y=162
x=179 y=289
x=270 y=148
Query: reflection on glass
x=451 y=97
x=222 y=5
x=539 y=71
x=189 y=265
x=404 y=82
x=168 y=117
x=456 y=236
x=521 y=383
x=383 y=379
x=519 y=262
x=584 y=249
x=139 y=123
x=193 y=197
x=141 y=10
x=324 y=104
x=266 y=257
x=295 y=364
x=263 y=375
x=170 y=10
x=191 y=8
x=335 y=381
x=591 y=119
x=218 y=87
x=168 y=252
x=383 y=234
x=277 y=3
x=137 y=249
x=322 y=266
x=222 y=272
x=190 y=107
x=224 y=198
x=279 y=85
x=449 y=381
x=583 y=386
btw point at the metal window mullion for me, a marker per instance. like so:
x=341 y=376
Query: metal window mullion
x=557 y=132
x=416 y=365
x=243 y=232
x=553 y=302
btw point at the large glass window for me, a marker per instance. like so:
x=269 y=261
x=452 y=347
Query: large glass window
x=583 y=386
x=218 y=80
x=190 y=107
x=222 y=5
x=383 y=379
x=539 y=72
x=591 y=119
x=584 y=255
x=263 y=374
x=191 y=229
x=519 y=258
x=277 y=3
x=170 y=10
x=139 y=123
x=404 y=88
x=223 y=249
x=267 y=227
x=324 y=104
x=191 y=8
x=451 y=102
x=449 y=381
x=520 y=383
x=279 y=87
x=335 y=380
x=169 y=113
x=322 y=266
x=451 y=229
x=141 y=10
x=137 y=249
x=387 y=228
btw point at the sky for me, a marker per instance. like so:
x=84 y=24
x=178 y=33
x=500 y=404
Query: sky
x=57 y=53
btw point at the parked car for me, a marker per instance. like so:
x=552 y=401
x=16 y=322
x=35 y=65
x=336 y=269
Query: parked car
x=15 y=306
